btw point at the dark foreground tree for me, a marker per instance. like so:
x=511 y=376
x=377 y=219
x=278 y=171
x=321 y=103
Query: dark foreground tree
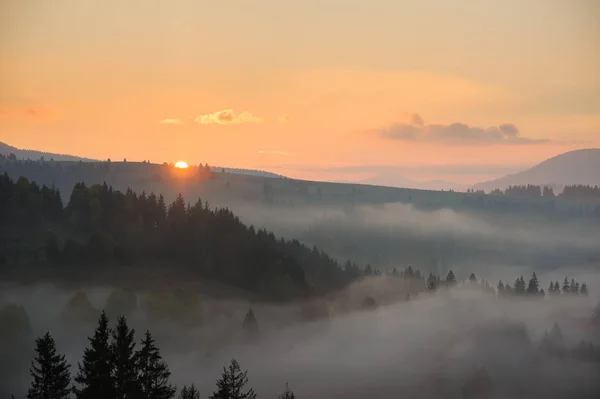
x=50 y=372
x=232 y=382
x=153 y=372
x=124 y=361
x=95 y=372
x=287 y=394
x=189 y=392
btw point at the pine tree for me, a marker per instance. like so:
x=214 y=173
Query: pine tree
x=472 y=278
x=584 y=289
x=153 y=371
x=189 y=392
x=565 y=287
x=250 y=324
x=124 y=360
x=95 y=372
x=232 y=383
x=533 y=286
x=501 y=289
x=556 y=287
x=50 y=372
x=287 y=394
x=450 y=279
x=574 y=287
x=520 y=286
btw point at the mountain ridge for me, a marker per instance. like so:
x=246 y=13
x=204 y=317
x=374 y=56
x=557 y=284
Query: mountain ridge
x=569 y=168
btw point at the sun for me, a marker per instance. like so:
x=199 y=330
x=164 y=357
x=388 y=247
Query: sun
x=181 y=165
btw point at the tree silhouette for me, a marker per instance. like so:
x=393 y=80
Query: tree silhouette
x=189 y=392
x=95 y=372
x=231 y=384
x=250 y=324
x=287 y=394
x=450 y=279
x=153 y=371
x=50 y=372
x=124 y=361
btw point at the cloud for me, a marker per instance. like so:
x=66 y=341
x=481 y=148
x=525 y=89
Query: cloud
x=227 y=117
x=171 y=121
x=284 y=119
x=455 y=133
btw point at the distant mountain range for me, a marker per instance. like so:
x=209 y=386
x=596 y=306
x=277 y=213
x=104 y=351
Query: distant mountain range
x=574 y=167
x=34 y=155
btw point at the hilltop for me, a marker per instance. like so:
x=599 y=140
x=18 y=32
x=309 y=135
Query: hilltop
x=574 y=167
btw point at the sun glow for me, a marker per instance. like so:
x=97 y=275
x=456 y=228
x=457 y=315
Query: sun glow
x=181 y=165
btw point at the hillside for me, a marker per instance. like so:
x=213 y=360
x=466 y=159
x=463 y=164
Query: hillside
x=575 y=167
x=19 y=153
x=123 y=234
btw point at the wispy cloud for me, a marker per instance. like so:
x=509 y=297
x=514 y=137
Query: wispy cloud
x=172 y=121
x=415 y=129
x=227 y=117
x=274 y=152
x=284 y=119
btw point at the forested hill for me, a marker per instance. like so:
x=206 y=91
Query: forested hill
x=103 y=232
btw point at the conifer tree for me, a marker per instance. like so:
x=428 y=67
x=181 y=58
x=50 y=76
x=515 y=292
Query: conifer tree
x=501 y=289
x=573 y=287
x=231 y=384
x=50 y=372
x=520 y=286
x=124 y=361
x=565 y=287
x=287 y=394
x=95 y=372
x=450 y=279
x=472 y=278
x=153 y=371
x=584 y=289
x=533 y=286
x=189 y=392
x=250 y=324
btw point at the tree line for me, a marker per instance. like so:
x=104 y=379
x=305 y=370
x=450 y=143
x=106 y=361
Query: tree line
x=102 y=226
x=114 y=367
x=579 y=191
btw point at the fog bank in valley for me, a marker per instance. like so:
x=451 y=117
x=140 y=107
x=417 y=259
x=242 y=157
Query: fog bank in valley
x=425 y=347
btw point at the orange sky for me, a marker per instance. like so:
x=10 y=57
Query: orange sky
x=301 y=87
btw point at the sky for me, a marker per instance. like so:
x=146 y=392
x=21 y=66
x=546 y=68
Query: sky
x=459 y=90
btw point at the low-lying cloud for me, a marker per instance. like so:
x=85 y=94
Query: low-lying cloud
x=456 y=133
x=227 y=117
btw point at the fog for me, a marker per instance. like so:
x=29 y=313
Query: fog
x=424 y=347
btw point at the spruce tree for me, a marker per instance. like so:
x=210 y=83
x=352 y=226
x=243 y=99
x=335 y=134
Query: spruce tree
x=189 y=392
x=153 y=371
x=250 y=324
x=584 y=289
x=50 y=372
x=95 y=377
x=565 y=287
x=231 y=384
x=287 y=394
x=450 y=279
x=124 y=361
x=533 y=286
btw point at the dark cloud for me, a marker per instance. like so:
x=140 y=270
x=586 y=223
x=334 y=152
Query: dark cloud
x=456 y=133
